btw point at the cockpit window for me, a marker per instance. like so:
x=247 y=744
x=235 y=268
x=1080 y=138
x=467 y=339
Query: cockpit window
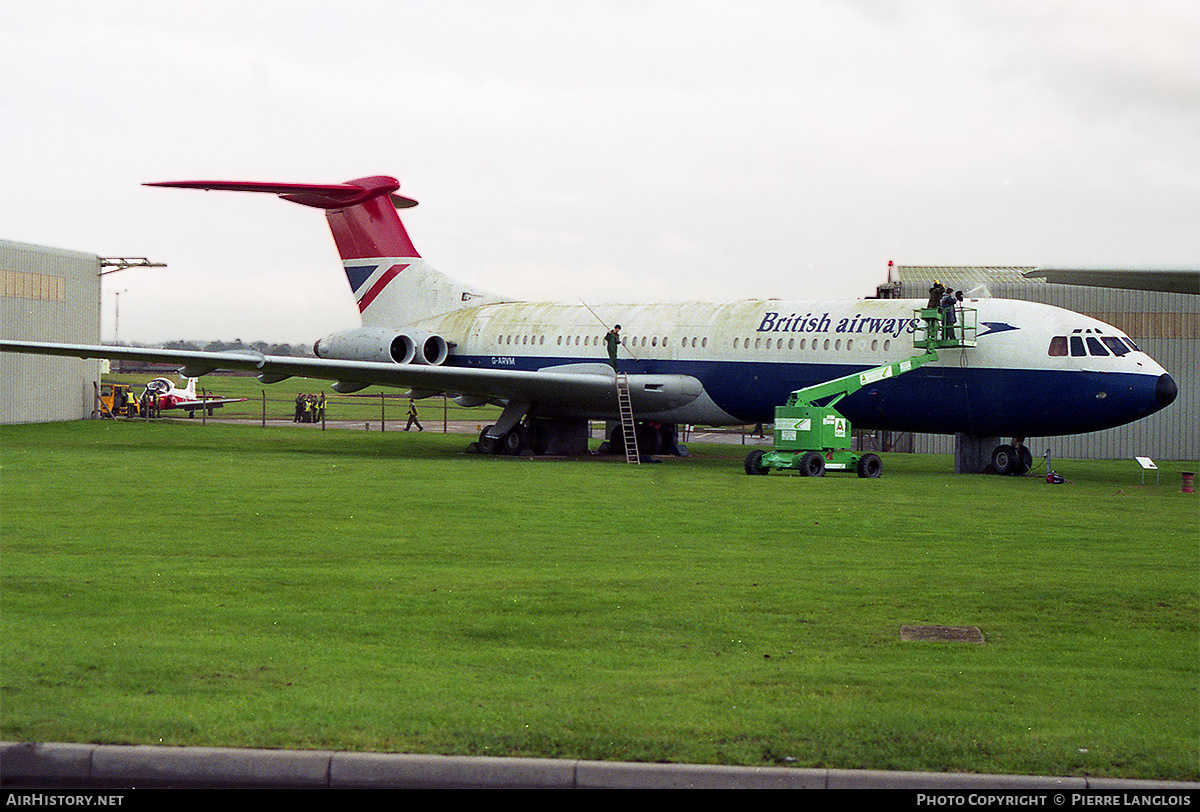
x=1115 y=344
x=1101 y=345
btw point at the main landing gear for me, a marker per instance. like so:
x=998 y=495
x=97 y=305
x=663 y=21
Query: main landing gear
x=516 y=441
x=653 y=439
x=541 y=436
x=519 y=431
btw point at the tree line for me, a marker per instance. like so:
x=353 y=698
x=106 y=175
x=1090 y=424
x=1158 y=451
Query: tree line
x=266 y=348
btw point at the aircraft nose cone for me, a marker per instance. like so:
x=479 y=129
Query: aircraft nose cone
x=1166 y=390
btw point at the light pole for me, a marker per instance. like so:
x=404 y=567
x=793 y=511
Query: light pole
x=117 y=318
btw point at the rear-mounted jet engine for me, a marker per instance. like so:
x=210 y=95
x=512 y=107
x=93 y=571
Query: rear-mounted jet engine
x=379 y=344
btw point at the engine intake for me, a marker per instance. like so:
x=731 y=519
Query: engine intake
x=377 y=344
x=420 y=348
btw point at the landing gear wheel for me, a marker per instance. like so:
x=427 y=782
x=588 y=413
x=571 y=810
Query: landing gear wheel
x=812 y=464
x=670 y=441
x=1004 y=460
x=650 y=440
x=870 y=466
x=616 y=440
x=754 y=465
x=1024 y=460
x=515 y=441
x=487 y=443
x=540 y=442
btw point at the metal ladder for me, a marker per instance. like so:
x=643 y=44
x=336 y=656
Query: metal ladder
x=627 y=425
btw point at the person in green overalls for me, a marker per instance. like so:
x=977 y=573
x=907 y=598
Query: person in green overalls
x=613 y=340
x=412 y=416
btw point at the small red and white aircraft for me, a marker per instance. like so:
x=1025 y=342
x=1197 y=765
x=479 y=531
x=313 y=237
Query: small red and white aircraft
x=168 y=396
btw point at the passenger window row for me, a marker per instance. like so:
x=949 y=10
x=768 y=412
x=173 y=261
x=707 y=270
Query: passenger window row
x=836 y=345
x=693 y=342
x=591 y=341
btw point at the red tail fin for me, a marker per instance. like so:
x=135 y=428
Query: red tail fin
x=389 y=280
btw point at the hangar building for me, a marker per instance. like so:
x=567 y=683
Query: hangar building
x=48 y=294
x=1158 y=309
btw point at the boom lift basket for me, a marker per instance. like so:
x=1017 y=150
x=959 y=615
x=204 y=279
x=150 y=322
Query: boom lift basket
x=935 y=333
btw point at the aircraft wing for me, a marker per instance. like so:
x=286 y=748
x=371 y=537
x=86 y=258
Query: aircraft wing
x=1168 y=280
x=583 y=387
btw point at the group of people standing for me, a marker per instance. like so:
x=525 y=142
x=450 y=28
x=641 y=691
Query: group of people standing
x=947 y=301
x=310 y=408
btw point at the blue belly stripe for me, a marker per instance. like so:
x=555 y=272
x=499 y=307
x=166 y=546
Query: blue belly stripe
x=930 y=400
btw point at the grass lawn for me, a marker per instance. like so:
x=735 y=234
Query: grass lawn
x=223 y=585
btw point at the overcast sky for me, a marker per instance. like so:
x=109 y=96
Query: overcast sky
x=595 y=150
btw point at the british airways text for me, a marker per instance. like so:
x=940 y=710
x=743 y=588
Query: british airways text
x=810 y=323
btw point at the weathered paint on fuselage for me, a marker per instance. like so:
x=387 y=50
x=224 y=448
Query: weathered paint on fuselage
x=750 y=355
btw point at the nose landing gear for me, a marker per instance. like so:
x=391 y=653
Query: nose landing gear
x=1012 y=460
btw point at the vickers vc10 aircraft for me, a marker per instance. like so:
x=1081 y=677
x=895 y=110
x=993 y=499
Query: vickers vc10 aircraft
x=1035 y=370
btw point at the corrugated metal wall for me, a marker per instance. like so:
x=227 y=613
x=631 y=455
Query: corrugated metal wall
x=1165 y=325
x=47 y=294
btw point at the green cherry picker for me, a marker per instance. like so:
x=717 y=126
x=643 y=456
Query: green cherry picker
x=813 y=439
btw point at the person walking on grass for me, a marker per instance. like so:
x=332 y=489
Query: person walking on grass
x=412 y=416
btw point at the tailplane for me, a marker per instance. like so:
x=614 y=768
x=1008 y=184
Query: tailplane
x=392 y=284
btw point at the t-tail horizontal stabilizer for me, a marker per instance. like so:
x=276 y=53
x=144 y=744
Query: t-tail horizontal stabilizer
x=317 y=195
